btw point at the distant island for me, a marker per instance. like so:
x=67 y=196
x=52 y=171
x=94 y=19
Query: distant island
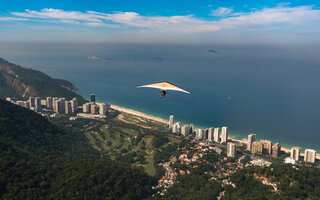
x=212 y=52
x=147 y=59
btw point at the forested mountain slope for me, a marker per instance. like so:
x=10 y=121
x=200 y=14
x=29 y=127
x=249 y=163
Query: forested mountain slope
x=41 y=161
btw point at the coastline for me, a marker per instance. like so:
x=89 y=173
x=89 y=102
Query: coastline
x=138 y=114
x=160 y=120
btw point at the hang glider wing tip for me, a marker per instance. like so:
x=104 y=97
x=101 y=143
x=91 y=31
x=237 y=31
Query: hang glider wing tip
x=141 y=86
x=186 y=92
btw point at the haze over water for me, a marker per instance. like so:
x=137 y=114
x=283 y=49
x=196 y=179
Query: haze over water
x=271 y=91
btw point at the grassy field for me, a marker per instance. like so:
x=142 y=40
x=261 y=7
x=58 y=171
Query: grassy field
x=129 y=137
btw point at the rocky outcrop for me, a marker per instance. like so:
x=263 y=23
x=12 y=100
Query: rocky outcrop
x=21 y=89
x=11 y=79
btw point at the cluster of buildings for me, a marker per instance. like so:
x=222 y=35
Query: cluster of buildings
x=95 y=108
x=265 y=147
x=63 y=106
x=179 y=128
x=309 y=155
x=212 y=134
x=262 y=147
x=55 y=104
x=208 y=134
x=169 y=177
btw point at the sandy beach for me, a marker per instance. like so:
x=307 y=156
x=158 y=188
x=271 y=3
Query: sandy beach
x=157 y=119
x=139 y=114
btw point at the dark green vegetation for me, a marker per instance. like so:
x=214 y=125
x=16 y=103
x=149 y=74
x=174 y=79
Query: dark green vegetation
x=38 y=160
x=141 y=143
x=193 y=187
x=17 y=81
x=292 y=182
x=247 y=187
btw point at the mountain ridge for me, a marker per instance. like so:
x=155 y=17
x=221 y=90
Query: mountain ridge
x=18 y=81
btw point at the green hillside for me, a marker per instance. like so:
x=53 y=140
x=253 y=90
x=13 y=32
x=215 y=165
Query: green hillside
x=17 y=81
x=39 y=160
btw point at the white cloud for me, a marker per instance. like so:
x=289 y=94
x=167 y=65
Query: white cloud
x=185 y=24
x=49 y=13
x=274 y=16
x=267 y=17
x=12 y=19
x=221 y=12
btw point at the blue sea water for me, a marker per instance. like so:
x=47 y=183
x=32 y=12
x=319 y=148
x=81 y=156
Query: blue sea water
x=272 y=91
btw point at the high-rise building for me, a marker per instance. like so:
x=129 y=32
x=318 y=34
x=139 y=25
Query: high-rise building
x=224 y=134
x=175 y=128
x=231 y=149
x=68 y=107
x=49 y=103
x=216 y=135
x=179 y=126
x=266 y=146
x=86 y=108
x=310 y=155
x=192 y=128
x=276 y=150
x=32 y=102
x=295 y=153
x=205 y=134
x=198 y=134
x=210 y=133
x=94 y=109
x=37 y=102
x=257 y=148
x=74 y=104
x=108 y=106
x=102 y=108
x=60 y=106
x=54 y=104
x=251 y=139
x=171 y=121
x=185 y=130
x=92 y=98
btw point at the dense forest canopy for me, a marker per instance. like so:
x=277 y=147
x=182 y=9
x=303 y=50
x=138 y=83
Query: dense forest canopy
x=41 y=161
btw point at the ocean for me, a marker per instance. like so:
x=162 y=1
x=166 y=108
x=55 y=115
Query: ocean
x=273 y=91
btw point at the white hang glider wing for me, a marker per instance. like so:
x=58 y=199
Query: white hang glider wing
x=164 y=86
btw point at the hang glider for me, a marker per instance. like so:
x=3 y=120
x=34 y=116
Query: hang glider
x=164 y=86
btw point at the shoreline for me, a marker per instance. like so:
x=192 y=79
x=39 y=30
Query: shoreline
x=160 y=120
x=138 y=114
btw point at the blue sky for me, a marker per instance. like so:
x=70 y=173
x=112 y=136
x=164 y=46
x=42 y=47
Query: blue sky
x=182 y=21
